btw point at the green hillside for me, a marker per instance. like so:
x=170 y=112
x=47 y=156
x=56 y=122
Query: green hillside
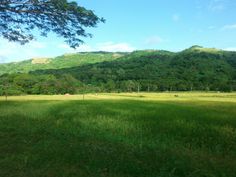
x=64 y=61
x=196 y=68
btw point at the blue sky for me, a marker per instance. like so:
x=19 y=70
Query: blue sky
x=145 y=24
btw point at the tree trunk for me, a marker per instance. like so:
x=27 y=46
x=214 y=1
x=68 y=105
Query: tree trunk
x=6 y=95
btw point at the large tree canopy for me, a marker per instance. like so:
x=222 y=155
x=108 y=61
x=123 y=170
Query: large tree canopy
x=18 y=19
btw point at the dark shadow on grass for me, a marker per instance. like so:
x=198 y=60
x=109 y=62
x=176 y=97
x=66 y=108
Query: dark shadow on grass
x=112 y=138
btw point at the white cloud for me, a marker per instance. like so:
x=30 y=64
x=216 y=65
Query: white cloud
x=230 y=49
x=115 y=47
x=68 y=49
x=106 y=46
x=10 y=51
x=229 y=27
x=64 y=46
x=153 y=40
x=37 y=45
x=175 y=17
x=84 y=48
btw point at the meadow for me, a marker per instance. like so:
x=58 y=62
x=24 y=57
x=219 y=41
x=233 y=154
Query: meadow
x=119 y=135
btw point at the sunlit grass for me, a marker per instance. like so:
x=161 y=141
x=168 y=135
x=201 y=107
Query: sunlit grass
x=166 y=96
x=119 y=135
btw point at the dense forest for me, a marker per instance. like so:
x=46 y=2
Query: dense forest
x=196 y=68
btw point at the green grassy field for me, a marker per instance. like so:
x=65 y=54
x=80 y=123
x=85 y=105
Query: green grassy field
x=119 y=135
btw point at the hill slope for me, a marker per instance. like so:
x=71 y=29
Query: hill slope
x=193 y=69
x=64 y=61
x=196 y=68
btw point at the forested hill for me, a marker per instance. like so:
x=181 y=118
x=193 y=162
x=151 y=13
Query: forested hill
x=196 y=68
x=64 y=61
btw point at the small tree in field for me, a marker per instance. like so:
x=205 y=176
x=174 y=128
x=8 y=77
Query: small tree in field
x=18 y=18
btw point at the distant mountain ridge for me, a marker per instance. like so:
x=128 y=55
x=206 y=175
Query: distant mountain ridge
x=77 y=59
x=196 y=68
